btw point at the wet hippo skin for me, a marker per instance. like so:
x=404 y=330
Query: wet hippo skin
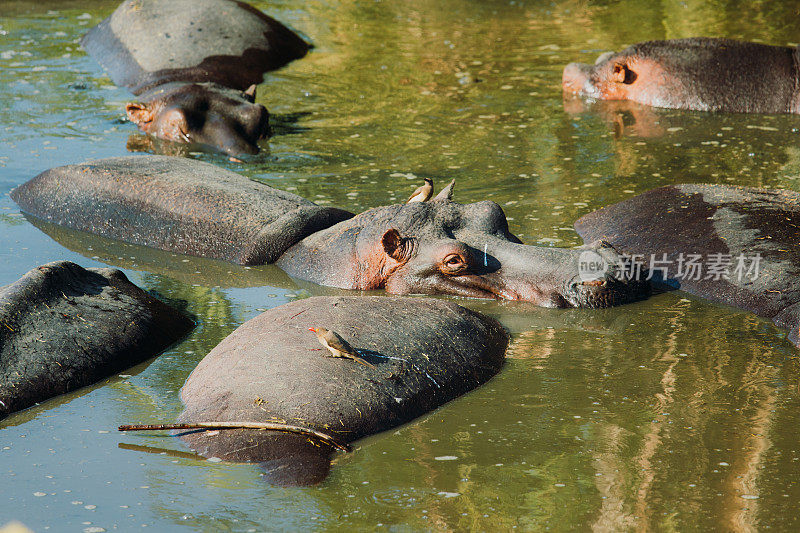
x=425 y=353
x=436 y=247
x=715 y=219
x=194 y=65
x=175 y=204
x=443 y=247
x=702 y=74
x=63 y=327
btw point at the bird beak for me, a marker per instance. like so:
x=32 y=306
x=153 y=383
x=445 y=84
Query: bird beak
x=312 y=329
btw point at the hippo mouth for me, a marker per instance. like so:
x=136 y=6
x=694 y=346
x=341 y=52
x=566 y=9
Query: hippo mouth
x=560 y=278
x=475 y=286
x=232 y=139
x=588 y=294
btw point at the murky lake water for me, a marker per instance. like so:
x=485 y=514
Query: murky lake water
x=669 y=414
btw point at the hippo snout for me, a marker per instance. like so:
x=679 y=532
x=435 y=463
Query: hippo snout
x=606 y=292
x=575 y=79
x=605 y=279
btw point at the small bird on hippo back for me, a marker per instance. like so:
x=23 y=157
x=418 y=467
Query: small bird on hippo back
x=337 y=346
x=423 y=193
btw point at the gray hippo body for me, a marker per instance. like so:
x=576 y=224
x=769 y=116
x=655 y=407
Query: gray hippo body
x=437 y=247
x=702 y=74
x=63 y=327
x=272 y=369
x=751 y=235
x=175 y=204
x=194 y=65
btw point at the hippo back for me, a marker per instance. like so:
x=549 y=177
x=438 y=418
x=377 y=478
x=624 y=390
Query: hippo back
x=150 y=42
x=175 y=204
x=727 y=75
x=64 y=327
x=736 y=245
x=423 y=352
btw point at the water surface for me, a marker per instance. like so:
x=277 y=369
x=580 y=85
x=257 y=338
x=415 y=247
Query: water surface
x=669 y=414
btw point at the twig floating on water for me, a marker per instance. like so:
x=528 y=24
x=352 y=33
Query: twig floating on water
x=268 y=426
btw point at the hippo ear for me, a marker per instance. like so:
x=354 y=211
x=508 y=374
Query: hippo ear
x=138 y=113
x=446 y=194
x=250 y=93
x=622 y=74
x=395 y=245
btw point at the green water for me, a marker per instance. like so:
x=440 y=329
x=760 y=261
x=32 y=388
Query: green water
x=669 y=414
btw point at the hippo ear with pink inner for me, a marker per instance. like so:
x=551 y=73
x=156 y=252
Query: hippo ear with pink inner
x=621 y=73
x=138 y=113
x=396 y=246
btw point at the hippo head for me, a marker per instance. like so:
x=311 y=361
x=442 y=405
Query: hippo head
x=703 y=74
x=204 y=114
x=442 y=247
x=627 y=75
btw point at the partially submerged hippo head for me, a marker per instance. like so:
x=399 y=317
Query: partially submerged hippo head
x=190 y=63
x=205 y=114
x=442 y=247
x=701 y=74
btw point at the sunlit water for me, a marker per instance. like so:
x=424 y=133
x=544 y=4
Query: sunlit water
x=669 y=414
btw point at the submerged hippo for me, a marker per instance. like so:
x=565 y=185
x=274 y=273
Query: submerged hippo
x=421 y=353
x=703 y=74
x=436 y=247
x=63 y=327
x=194 y=64
x=176 y=204
x=735 y=245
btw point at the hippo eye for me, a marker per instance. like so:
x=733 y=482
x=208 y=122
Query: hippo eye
x=622 y=74
x=453 y=264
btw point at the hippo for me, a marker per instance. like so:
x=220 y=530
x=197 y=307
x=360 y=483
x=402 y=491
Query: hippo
x=443 y=247
x=421 y=352
x=733 y=245
x=194 y=65
x=435 y=247
x=176 y=204
x=63 y=327
x=703 y=74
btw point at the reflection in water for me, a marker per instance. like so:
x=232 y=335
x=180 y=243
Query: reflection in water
x=702 y=432
x=185 y=268
x=285 y=460
x=666 y=414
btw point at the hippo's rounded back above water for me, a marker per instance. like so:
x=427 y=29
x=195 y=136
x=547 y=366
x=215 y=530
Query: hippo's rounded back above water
x=63 y=327
x=194 y=65
x=145 y=43
x=702 y=74
x=421 y=352
x=175 y=204
x=735 y=245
